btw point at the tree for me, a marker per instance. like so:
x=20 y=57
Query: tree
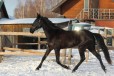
x=19 y=11
x=30 y=8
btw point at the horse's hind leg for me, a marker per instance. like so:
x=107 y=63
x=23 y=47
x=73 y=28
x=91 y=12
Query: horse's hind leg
x=57 y=53
x=93 y=51
x=82 y=57
x=44 y=57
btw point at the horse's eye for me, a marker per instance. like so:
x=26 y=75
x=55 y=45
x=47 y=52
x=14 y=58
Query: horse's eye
x=39 y=20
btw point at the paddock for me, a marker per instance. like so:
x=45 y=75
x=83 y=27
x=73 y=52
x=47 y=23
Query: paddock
x=23 y=25
x=14 y=34
x=13 y=49
x=14 y=31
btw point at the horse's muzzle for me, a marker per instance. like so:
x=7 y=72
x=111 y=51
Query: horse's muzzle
x=31 y=30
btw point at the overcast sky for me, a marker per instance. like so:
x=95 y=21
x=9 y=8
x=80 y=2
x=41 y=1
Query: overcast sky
x=10 y=6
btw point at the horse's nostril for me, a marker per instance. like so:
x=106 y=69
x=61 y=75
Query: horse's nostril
x=31 y=31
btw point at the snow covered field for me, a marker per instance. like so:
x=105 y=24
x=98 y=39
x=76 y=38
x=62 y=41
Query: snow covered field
x=26 y=65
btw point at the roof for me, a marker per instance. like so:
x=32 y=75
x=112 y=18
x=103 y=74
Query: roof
x=3 y=8
x=1 y=2
x=55 y=8
x=31 y=20
x=83 y=24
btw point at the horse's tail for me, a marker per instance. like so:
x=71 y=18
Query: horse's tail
x=102 y=45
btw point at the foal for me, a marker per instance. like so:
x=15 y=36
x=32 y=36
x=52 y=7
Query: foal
x=58 y=38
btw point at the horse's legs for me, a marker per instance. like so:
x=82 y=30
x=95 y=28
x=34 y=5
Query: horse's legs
x=57 y=53
x=82 y=57
x=44 y=57
x=93 y=51
x=82 y=47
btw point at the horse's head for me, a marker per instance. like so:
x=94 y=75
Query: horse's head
x=36 y=24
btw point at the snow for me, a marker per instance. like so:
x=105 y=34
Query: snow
x=31 y=20
x=96 y=31
x=25 y=66
x=97 y=27
x=83 y=23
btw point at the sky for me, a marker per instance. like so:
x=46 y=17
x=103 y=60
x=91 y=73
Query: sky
x=10 y=6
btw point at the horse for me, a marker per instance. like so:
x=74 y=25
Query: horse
x=57 y=39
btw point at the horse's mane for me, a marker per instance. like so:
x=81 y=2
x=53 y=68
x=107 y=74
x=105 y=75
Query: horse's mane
x=51 y=24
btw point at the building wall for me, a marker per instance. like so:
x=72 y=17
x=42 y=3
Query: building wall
x=71 y=8
x=14 y=27
x=105 y=23
x=18 y=39
x=109 y=4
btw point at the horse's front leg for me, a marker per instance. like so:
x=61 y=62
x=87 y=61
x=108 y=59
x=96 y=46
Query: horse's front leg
x=82 y=57
x=57 y=54
x=44 y=57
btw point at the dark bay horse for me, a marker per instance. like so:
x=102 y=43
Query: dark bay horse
x=58 y=38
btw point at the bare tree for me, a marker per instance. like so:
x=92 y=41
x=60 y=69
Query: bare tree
x=19 y=11
x=31 y=7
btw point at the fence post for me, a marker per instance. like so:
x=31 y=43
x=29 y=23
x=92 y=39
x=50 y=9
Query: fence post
x=105 y=34
x=99 y=31
x=1 y=50
x=112 y=37
x=64 y=56
x=69 y=55
x=38 y=42
x=87 y=55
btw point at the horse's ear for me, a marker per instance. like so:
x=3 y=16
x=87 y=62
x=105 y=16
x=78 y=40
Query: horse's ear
x=38 y=15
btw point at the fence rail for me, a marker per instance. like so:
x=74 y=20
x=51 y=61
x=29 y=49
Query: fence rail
x=23 y=34
x=30 y=52
x=24 y=51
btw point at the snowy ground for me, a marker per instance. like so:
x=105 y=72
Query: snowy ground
x=25 y=66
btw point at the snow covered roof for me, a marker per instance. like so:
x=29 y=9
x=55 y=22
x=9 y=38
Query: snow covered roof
x=82 y=24
x=97 y=27
x=31 y=20
x=96 y=31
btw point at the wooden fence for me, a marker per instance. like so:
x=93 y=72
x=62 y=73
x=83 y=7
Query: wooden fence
x=16 y=51
x=109 y=33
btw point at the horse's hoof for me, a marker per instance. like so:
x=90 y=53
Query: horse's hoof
x=37 y=69
x=73 y=71
x=67 y=67
x=105 y=70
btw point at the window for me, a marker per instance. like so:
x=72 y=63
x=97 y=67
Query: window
x=86 y=5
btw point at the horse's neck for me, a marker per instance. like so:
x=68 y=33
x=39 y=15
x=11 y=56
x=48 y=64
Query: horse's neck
x=50 y=29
